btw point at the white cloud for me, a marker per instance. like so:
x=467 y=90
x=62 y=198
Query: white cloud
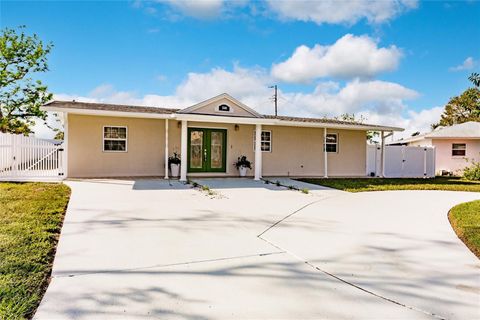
x=340 y=11
x=412 y=122
x=350 y=56
x=241 y=82
x=467 y=64
x=377 y=96
x=324 y=11
x=200 y=9
x=42 y=130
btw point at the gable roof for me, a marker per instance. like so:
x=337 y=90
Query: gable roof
x=469 y=129
x=218 y=98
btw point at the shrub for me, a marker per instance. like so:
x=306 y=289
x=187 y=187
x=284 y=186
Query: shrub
x=472 y=172
x=174 y=159
x=242 y=161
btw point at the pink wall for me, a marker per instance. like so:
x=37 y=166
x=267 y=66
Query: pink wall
x=445 y=160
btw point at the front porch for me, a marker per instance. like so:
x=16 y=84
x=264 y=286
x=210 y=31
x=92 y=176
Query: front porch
x=210 y=150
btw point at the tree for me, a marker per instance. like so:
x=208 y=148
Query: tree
x=352 y=118
x=475 y=79
x=21 y=97
x=460 y=109
x=59 y=135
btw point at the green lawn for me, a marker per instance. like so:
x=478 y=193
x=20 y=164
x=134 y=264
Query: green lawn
x=379 y=184
x=465 y=220
x=31 y=216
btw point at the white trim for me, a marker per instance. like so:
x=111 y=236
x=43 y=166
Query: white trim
x=223 y=119
x=218 y=98
x=334 y=126
x=382 y=162
x=206 y=127
x=65 y=145
x=109 y=113
x=183 y=151
x=325 y=154
x=455 y=138
x=383 y=137
x=336 y=142
x=166 y=149
x=258 y=153
x=115 y=139
x=458 y=156
x=219 y=119
x=231 y=109
x=254 y=141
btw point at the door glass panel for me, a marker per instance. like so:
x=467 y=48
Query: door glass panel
x=196 y=149
x=216 y=150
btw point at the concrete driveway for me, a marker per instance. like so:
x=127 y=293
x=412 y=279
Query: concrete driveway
x=150 y=249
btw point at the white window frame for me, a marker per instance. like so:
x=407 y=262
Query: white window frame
x=458 y=156
x=336 y=143
x=117 y=139
x=270 y=142
x=217 y=108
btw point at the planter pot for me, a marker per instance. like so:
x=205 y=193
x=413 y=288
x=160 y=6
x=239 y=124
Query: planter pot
x=243 y=171
x=175 y=169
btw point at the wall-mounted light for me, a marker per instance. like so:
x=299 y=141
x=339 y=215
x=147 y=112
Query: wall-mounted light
x=237 y=127
x=179 y=124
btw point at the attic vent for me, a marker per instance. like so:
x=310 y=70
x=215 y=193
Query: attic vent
x=224 y=108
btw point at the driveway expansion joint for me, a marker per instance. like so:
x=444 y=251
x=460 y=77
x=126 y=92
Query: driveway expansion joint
x=331 y=274
x=71 y=275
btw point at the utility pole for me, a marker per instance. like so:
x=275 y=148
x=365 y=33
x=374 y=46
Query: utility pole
x=275 y=98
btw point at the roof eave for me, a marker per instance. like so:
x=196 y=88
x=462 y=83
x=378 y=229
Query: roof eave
x=453 y=137
x=338 y=126
x=107 y=113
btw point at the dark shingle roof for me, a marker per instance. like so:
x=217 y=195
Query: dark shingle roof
x=109 y=107
x=160 y=110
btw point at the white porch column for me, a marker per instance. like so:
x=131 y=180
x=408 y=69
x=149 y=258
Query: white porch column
x=65 y=145
x=382 y=162
x=325 y=154
x=183 y=155
x=166 y=148
x=258 y=151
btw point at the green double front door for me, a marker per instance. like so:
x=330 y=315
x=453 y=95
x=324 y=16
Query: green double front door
x=207 y=150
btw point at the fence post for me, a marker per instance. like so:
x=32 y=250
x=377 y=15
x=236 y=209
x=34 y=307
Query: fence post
x=14 y=154
x=424 y=163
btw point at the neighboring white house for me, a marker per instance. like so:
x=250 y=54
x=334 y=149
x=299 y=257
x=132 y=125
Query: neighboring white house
x=456 y=146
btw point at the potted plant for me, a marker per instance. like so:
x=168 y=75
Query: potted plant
x=174 y=164
x=242 y=165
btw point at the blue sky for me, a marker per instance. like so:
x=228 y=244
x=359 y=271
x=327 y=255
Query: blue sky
x=395 y=62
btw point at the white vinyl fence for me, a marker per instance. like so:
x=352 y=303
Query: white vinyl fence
x=401 y=161
x=28 y=158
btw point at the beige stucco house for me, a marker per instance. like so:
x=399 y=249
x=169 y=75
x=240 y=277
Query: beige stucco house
x=106 y=140
x=455 y=146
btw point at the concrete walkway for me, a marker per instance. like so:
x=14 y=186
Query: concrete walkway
x=153 y=249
